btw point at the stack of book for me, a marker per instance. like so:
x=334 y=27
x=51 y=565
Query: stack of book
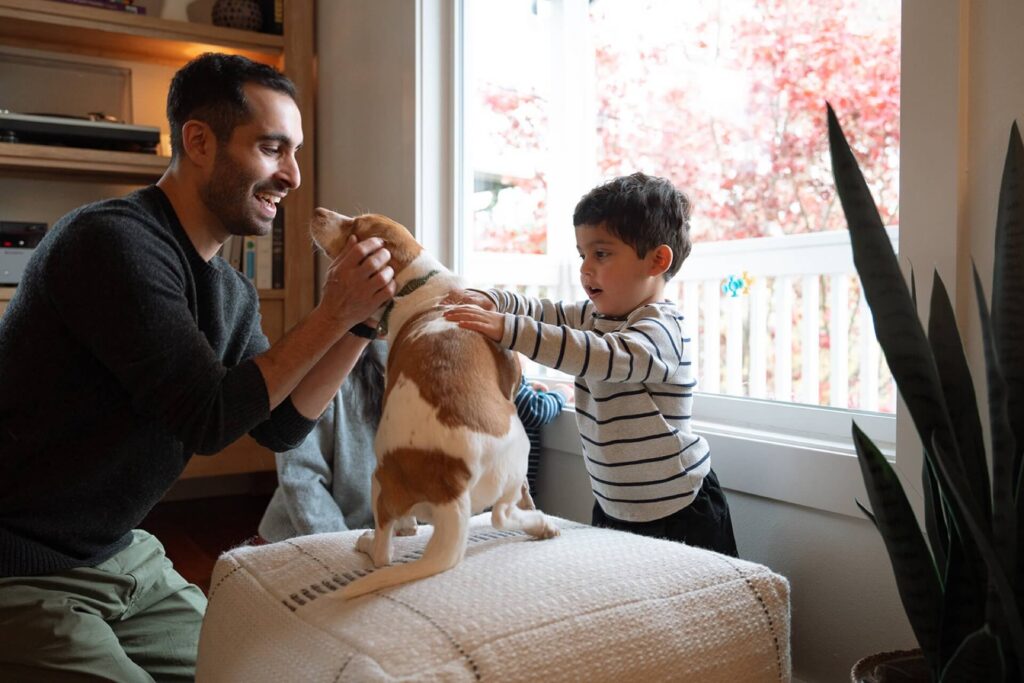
x=259 y=258
x=119 y=5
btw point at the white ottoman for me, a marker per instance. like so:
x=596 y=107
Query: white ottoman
x=590 y=605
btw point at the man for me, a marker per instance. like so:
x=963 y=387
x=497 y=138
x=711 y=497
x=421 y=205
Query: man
x=127 y=348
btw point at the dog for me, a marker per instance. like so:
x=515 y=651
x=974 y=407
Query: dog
x=450 y=443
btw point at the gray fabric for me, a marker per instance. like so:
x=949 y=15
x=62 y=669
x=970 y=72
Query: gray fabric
x=324 y=484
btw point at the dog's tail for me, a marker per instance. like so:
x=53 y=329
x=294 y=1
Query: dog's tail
x=444 y=550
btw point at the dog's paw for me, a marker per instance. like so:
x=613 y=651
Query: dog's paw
x=548 y=530
x=364 y=543
x=406 y=526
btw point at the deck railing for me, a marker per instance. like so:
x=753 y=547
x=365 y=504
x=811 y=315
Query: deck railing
x=780 y=318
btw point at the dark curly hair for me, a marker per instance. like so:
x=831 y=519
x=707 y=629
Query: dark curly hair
x=644 y=212
x=210 y=88
x=368 y=377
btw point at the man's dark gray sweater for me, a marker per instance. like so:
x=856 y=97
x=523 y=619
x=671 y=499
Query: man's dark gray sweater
x=122 y=353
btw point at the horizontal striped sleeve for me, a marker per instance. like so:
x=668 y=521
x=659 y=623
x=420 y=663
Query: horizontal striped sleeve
x=537 y=408
x=626 y=356
x=544 y=310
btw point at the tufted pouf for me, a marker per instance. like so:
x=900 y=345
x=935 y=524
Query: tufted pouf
x=589 y=605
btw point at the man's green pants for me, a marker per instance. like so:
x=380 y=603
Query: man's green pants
x=130 y=618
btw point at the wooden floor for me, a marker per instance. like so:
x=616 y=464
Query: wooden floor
x=195 y=532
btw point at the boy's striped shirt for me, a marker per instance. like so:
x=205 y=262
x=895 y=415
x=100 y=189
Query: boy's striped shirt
x=634 y=397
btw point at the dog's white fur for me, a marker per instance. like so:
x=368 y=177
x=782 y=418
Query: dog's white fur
x=492 y=472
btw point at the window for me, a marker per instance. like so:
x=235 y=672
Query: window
x=726 y=99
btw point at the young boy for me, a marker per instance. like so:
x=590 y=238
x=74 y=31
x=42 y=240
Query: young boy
x=634 y=382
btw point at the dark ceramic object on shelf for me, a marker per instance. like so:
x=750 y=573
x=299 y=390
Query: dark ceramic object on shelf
x=241 y=14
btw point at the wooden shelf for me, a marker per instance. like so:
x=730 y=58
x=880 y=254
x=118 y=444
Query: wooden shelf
x=64 y=27
x=96 y=164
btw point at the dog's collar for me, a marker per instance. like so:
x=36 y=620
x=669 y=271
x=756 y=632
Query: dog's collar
x=407 y=289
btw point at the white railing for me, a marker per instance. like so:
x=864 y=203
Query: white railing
x=764 y=309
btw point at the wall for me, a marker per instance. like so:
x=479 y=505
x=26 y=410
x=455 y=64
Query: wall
x=961 y=91
x=366 y=107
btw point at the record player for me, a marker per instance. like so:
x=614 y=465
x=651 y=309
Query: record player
x=18 y=240
x=93 y=131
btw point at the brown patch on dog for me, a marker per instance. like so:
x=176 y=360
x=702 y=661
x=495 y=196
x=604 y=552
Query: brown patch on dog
x=509 y=370
x=331 y=231
x=407 y=476
x=469 y=379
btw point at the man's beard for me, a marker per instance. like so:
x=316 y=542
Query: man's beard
x=229 y=195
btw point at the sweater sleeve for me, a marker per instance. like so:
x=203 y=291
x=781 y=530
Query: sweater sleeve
x=123 y=291
x=287 y=427
x=542 y=310
x=537 y=408
x=647 y=348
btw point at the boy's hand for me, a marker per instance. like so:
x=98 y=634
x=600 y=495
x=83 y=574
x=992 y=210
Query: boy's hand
x=466 y=296
x=565 y=391
x=488 y=323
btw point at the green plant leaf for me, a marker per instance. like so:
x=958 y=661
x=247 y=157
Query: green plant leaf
x=897 y=326
x=1004 y=516
x=1008 y=320
x=1019 y=502
x=977 y=659
x=867 y=513
x=916 y=575
x=998 y=577
x=958 y=391
x=1008 y=286
x=934 y=513
x=965 y=586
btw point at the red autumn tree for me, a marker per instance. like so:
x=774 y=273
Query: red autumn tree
x=729 y=105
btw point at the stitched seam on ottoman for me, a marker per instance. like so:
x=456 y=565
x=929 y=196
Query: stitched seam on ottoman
x=303 y=596
x=222 y=580
x=342 y=669
x=451 y=639
x=767 y=614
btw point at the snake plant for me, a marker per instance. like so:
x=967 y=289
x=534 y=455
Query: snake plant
x=961 y=578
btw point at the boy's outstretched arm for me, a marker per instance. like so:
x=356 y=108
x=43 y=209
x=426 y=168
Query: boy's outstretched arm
x=488 y=323
x=537 y=408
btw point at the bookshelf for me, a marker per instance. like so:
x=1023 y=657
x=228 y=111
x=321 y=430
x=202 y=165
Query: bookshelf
x=67 y=29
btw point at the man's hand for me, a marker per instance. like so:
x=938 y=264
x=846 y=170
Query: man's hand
x=359 y=281
x=488 y=323
x=470 y=297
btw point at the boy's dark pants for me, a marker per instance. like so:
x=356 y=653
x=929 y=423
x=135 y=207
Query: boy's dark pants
x=704 y=523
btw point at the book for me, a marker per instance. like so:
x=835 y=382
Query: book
x=272 y=12
x=249 y=258
x=264 y=261
x=277 y=251
x=120 y=6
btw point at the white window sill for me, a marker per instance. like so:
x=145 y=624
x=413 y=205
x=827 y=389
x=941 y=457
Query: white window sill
x=805 y=459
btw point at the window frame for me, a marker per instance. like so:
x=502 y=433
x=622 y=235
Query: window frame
x=758 y=457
